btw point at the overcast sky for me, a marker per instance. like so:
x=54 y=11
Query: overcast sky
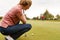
x=38 y=7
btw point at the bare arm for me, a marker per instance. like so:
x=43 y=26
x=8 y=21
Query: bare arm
x=23 y=18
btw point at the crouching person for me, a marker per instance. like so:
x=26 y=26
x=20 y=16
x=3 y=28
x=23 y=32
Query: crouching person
x=9 y=25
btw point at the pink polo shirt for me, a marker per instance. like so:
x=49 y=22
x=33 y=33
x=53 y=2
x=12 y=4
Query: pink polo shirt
x=12 y=17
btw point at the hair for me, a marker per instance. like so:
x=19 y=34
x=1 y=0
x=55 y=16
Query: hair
x=25 y=2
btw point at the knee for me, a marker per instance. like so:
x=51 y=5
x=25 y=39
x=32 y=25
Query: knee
x=29 y=26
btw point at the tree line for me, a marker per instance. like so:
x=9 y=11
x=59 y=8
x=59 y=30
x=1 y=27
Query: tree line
x=46 y=16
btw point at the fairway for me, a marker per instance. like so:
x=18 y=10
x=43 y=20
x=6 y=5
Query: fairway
x=41 y=30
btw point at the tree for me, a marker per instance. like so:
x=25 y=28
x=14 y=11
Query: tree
x=51 y=16
x=0 y=17
x=58 y=16
x=47 y=15
x=34 y=18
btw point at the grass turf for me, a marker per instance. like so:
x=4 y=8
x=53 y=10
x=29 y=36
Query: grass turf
x=41 y=30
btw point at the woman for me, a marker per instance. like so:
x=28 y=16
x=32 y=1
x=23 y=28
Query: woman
x=10 y=27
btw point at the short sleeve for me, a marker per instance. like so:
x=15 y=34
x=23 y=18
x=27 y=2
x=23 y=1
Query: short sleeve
x=19 y=12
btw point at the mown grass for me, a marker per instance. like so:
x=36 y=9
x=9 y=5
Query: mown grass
x=41 y=30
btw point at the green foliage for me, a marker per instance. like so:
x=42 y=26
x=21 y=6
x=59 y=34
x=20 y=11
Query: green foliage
x=34 y=18
x=58 y=17
x=0 y=17
x=48 y=15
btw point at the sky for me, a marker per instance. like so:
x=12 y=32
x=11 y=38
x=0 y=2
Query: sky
x=38 y=7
